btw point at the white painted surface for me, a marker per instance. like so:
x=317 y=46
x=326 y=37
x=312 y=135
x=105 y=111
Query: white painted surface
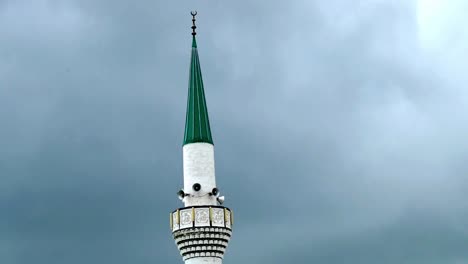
x=204 y=260
x=199 y=167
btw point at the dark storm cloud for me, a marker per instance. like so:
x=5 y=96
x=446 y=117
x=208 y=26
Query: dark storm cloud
x=338 y=138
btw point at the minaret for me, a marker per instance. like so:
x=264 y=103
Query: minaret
x=203 y=227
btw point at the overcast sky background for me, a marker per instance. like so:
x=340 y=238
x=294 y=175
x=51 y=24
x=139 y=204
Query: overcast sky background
x=340 y=128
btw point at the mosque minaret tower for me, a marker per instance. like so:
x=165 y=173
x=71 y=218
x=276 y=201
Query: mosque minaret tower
x=203 y=227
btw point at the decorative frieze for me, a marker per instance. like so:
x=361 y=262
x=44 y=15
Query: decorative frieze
x=201 y=216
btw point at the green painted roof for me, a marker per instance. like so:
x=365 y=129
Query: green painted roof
x=197 y=124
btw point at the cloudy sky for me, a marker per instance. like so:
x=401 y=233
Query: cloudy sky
x=340 y=128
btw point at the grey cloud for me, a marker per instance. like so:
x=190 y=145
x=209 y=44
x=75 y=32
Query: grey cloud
x=338 y=137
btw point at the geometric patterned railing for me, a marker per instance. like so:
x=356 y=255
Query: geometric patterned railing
x=201 y=216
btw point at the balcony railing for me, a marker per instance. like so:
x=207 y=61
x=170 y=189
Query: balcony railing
x=201 y=216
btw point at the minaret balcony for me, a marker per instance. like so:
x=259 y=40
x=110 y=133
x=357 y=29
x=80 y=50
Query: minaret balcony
x=202 y=231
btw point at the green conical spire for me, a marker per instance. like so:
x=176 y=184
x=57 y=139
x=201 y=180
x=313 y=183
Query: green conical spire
x=197 y=125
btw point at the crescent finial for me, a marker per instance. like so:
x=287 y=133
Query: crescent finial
x=193 y=13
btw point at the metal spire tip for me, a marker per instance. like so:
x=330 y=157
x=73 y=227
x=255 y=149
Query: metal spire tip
x=193 y=13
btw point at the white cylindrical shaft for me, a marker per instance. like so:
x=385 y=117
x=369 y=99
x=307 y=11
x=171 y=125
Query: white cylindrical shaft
x=204 y=260
x=199 y=168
